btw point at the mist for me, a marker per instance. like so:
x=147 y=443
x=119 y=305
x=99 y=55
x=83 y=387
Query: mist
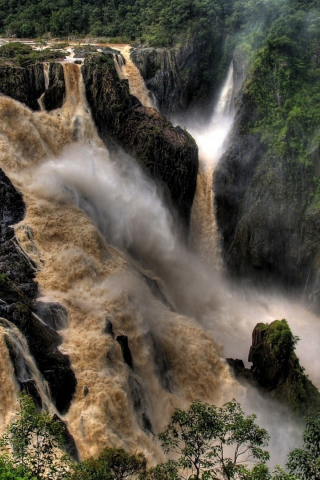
x=128 y=210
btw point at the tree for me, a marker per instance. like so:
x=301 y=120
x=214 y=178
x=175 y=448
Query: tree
x=305 y=462
x=163 y=471
x=9 y=472
x=204 y=437
x=113 y=464
x=33 y=442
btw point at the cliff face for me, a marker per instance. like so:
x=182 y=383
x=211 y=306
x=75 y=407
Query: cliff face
x=23 y=84
x=55 y=93
x=27 y=84
x=169 y=154
x=266 y=207
x=182 y=79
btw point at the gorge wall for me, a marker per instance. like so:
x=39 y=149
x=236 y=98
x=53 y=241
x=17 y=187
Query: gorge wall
x=184 y=79
x=267 y=182
x=169 y=154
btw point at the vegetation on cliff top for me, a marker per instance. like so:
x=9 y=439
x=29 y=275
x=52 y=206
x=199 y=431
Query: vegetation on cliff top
x=18 y=53
x=280 y=372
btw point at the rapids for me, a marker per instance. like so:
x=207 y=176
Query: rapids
x=107 y=249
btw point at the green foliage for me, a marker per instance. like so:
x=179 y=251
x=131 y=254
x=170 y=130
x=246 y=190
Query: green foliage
x=9 y=472
x=163 y=471
x=305 y=462
x=280 y=339
x=201 y=434
x=23 y=55
x=33 y=443
x=113 y=464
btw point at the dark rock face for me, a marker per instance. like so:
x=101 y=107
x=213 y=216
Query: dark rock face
x=23 y=84
x=69 y=442
x=17 y=293
x=276 y=369
x=169 y=154
x=53 y=314
x=269 y=228
x=140 y=403
x=125 y=350
x=55 y=93
x=108 y=328
x=181 y=79
x=16 y=269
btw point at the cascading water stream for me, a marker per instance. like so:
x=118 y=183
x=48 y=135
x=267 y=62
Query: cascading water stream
x=127 y=70
x=46 y=67
x=204 y=236
x=85 y=212
x=95 y=281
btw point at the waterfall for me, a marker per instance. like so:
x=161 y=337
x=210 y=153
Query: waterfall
x=46 y=84
x=107 y=250
x=224 y=106
x=18 y=371
x=204 y=235
x=127 y=70
x=84 y=210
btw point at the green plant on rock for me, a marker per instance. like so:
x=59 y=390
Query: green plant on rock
x=8 y=471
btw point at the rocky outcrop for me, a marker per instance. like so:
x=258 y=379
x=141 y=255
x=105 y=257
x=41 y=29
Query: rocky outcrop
x=276 y=369
x=17 y=294
x=25 y=84
x=169 y=154
x=182 y=79
x=125 y=350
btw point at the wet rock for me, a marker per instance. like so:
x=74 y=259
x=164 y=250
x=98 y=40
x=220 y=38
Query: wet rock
x=30 y=387
x=55 y=93
x=43 y=344
x=108 y=328
x=140 y=403
x=161 y=363
x=125 y=350
x=25 y=84
x=53 y=314
x=69 y=445
x=85 y=390
x=169 y=154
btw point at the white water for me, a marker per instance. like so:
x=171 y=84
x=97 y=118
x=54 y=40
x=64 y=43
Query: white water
x=93 y=263
x=204 y=236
